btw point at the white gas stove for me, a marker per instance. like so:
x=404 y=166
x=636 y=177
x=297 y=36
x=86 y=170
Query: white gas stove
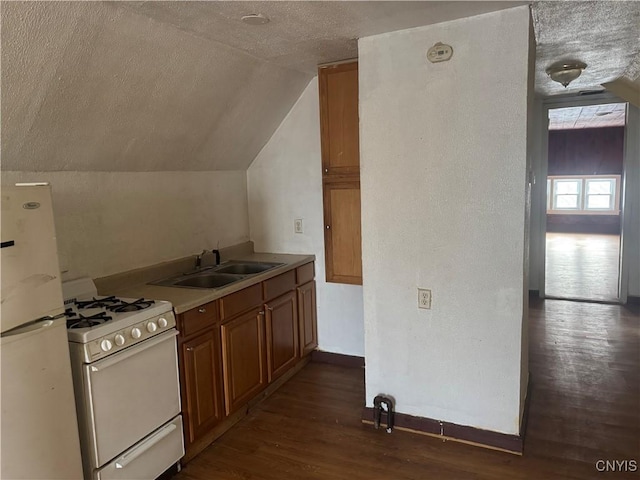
x=125 y=375
x=108 y=324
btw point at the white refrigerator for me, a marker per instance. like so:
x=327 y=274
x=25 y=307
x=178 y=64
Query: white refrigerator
x=39 y=428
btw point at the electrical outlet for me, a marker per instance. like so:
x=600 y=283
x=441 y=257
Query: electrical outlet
x=297 y=225
x=424 y=298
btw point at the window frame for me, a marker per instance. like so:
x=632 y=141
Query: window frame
x=582 y=195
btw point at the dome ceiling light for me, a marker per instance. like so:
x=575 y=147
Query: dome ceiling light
x=565 y=73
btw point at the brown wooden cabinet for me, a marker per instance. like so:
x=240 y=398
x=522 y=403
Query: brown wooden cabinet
x=241 y=347
x=202 y=384
x=338 y=85
x=343 y=239
x=307 y=318
x=282 y=334
x=339 y=124
x=243 y=358
x=200 y=360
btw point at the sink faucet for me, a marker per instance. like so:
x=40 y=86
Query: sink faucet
x=199 y=258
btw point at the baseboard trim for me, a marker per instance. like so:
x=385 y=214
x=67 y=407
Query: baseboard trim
x=451 y=431
x=633 y=300
x=337 y=359
x=524 y=421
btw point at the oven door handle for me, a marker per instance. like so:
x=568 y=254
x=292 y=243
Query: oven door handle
x=133 y=350
x=129 y=457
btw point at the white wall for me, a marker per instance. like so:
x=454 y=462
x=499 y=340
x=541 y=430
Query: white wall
x=631 y=224
x=443 y=178
x=112 y=222
x=285 y=183
x=538 y=199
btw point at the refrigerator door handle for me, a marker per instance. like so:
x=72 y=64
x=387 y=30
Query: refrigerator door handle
x=26 y=330
x=9 y=243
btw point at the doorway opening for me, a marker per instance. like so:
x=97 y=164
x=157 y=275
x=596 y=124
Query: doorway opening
x=586 y=148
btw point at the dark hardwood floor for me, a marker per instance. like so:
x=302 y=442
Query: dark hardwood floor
x=585 y=407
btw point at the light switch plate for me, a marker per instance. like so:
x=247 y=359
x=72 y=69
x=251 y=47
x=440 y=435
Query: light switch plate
x=297 y=226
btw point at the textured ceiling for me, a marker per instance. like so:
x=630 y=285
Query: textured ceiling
x=591 y=116
x=146 y=86
x=303 y=34
x=603 y=34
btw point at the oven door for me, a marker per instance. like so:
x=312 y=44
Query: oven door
x=130 y=394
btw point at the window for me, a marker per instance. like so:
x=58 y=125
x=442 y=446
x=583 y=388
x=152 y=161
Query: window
x=583 y=194
x=600 y=194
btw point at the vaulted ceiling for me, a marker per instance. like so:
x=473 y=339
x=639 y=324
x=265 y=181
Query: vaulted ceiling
x=162 y=86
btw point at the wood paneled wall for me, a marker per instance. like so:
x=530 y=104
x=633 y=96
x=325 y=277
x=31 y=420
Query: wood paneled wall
x=589 y=151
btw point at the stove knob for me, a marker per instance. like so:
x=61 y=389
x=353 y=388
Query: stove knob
x=162 y=322
x=106 y=345
x=152 y=327
x=119 y=340
x=135 y=332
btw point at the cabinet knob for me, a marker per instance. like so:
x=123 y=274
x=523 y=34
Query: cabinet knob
x=328 y=227
x=189 y=349
x=270 y=309
x=202 y=310
x=326 y=170
x=261 y=312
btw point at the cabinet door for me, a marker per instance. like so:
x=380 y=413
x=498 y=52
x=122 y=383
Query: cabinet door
x=307 y=318
x=202 y=389
x=338 y=86
x=243 y=358
x=282 y=334
x=343 y=249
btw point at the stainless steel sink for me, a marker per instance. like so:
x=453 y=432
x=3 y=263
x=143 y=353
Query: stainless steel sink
x=217 y=277
x=210 y=280
x=246 y=268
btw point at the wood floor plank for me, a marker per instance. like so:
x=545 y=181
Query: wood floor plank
x=585 y=406
x=582 y=265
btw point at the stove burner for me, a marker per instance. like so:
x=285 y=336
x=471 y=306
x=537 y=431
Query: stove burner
x=87 y=322
x=123 y=306
x=97 y=302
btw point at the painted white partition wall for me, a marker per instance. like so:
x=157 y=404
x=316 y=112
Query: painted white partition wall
x=285 y=183
x=443 y=178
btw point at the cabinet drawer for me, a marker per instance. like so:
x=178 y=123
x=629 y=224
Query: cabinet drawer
x=276 y=286
x=240 y=301
x=198 y=318
x=305 y=273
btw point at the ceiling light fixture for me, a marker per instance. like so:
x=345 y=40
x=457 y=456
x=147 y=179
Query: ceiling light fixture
x=255 y=19
x=565 y=73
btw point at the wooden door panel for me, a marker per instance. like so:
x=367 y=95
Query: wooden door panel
x=343 y=239
x=203 y=384
x=307 y=318
x=339 y=124
x=243 y=358
x=282 y=334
